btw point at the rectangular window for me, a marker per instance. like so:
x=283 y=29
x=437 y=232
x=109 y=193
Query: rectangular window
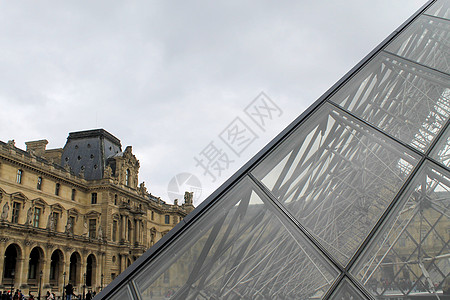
x=114 y=234
x=153 y=215
x=167 y=219
x=39 y=183
x=57 y=187
x=92 y=228
x=19 y=176
x=15 y=212
x=73 y=194
x=94 y=198
x=37 y=216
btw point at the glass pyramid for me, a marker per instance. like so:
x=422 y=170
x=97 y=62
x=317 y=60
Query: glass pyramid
x=351 y=201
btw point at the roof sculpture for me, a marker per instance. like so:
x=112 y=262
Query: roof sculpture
x=351 y=201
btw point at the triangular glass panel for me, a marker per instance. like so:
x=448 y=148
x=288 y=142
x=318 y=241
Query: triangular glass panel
x=347 y=291
x=410 y=255
x=441 y=151
x=240 y=248
x=403 y=99
x=337 y=177
x=440 y=9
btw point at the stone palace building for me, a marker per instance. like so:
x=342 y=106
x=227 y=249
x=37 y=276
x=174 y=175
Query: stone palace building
x=76 y=214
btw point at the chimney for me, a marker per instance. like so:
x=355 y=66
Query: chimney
x=37 y=147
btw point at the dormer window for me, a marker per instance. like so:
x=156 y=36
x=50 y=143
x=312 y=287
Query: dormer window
x=127 y=177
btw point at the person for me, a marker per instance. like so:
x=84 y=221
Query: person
x=89 y=295
x=69 y=291
x=49 y=296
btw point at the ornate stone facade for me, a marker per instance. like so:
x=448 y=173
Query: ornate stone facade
x=76 y=214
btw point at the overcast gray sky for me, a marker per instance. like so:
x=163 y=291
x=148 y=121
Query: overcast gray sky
x=169 y=77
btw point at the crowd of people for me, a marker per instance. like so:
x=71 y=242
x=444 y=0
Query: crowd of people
x=17 y=295
x=69 y=295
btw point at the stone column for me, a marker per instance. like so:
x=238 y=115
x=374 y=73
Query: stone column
x=45 y=274
x=19 y=273
x=123 y=228
x=138 y=232
x=2 y=261
x=81 y=282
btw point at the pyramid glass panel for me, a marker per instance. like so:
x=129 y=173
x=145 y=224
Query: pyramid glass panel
x=351 y=201
x=441 y=151
x=239 y=249
x=336 y=176
x=347 y=291
x=425 y=42
x=410 y=255
x=440 y=9
x=123 y=294
x=406 y=100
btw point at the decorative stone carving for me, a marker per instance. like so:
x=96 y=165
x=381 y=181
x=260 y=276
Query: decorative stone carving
x=108 y=172
x=5 y=211
x=29 y=220
x=152 y=236
x=85 y=228
x=50 y=222
x=69 y=226
x=142 y=190
x=188 y=198
x=100 y=233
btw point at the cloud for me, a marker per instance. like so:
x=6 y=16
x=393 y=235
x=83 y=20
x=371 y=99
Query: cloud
x=167 y=78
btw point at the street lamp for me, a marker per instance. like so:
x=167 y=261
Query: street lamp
x=84 y=285
x=101 y=284
x=40 y=282
x=64 y=285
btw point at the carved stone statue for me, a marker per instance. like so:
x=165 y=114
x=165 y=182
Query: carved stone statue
x=100 y=233
x=69 y=226
x=50 y=222
x=81 y=174
x=108 y=172
x=5 y=211
x=152 y=236
x=29 y=216
x=85 y=228
x=142 y=189
x=188 y=198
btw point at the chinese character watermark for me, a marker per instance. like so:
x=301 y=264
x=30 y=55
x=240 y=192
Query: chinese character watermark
x=237 y=137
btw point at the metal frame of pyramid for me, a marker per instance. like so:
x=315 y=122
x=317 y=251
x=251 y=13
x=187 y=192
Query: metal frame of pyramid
x=350 y=201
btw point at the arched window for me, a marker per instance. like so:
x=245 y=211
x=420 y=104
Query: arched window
x=11 y=256
x=33 y=265
x=127 y=177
